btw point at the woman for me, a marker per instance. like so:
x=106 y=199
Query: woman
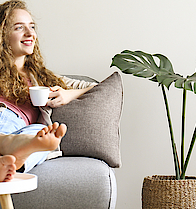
x=21 y=66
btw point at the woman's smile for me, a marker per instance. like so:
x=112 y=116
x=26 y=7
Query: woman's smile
x=27 y=42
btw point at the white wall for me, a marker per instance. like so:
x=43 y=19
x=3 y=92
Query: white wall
x=82 y=36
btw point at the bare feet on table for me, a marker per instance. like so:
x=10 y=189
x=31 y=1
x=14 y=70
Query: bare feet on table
x=7 y=168
x=23 y=145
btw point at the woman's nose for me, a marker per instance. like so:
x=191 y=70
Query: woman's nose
x=28 y=31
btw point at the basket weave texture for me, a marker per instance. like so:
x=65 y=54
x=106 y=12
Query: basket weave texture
x=165 y=192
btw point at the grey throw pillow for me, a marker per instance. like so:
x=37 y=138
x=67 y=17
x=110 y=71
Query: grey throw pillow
x=93 y=122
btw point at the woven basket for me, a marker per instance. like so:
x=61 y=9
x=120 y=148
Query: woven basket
x=165 y=192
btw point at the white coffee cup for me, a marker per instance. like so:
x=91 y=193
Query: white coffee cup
x=39 y=95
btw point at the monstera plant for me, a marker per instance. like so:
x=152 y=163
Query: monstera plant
x=158 y=68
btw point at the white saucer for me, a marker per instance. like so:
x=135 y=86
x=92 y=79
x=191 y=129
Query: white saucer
x=22 y=182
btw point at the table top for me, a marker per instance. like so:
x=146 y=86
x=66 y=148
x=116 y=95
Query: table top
x=22 y=182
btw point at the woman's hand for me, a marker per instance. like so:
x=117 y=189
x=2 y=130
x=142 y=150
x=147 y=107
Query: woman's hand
x=60 y=96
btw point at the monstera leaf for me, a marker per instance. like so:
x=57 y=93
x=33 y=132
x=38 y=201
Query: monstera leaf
x=159 y=69
x=155 y=67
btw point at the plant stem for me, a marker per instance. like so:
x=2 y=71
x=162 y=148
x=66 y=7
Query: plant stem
x=183 y=129
x=189 y=154
x=175 y=155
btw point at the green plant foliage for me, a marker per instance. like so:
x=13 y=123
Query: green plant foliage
x=158 y=68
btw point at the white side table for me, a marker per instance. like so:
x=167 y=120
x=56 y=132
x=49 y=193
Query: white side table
x=21 y=182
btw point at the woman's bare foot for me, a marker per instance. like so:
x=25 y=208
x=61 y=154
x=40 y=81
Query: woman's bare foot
x=7 y=168
x=23 y=145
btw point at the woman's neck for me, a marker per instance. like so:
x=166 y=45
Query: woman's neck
x=19 y=62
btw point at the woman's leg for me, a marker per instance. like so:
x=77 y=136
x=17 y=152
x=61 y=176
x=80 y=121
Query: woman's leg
x=10 y=122
x=35 y=158
x=23 y=145
x=19 y=136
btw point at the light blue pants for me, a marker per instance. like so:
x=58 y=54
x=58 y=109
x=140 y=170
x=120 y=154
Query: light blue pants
x=10 y=123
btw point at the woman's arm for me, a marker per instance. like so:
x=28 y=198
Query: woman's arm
x=75 y=83
x=61 y=96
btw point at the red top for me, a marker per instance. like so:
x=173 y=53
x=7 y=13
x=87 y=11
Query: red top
x=27 y=111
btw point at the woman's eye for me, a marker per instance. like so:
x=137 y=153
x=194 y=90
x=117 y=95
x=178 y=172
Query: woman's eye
x=23 y=27
x=19 y=28
x=33 y=27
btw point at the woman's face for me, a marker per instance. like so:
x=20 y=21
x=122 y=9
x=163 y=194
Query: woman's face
x=23 y=36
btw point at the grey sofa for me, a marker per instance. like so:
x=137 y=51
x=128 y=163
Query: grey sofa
x=84 y=177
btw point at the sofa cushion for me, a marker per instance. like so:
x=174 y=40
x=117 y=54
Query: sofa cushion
x=70 y=183
x=93 y=122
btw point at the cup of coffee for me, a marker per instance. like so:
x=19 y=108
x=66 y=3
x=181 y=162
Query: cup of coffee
x=39 y=95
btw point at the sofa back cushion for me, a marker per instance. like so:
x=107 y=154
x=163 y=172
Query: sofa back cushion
x=93 y=122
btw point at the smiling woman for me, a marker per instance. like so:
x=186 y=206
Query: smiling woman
x=20 y=58
x=26 y=130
